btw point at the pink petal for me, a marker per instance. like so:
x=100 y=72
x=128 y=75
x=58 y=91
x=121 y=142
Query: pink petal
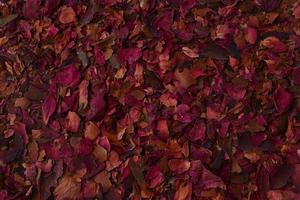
x=67 y=15
x=296 y=11
x=251 y=35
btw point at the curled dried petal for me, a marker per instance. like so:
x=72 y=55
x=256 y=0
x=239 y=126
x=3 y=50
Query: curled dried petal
x=67 y=15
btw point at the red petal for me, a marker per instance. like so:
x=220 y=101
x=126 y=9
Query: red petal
x=282 y=99
x=198 y=131
x=69 y=76
x=130 y=55
x=48 y=108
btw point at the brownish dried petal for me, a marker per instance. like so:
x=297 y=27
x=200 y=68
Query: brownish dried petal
x=67 y=188
x=67 y=15
x=179 y=166
x=91 y=131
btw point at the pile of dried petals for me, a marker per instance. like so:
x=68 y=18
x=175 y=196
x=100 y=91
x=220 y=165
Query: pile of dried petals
x=149 y=99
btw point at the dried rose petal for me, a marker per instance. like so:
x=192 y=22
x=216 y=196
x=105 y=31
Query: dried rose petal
x=192 y=53
x=97 y=105
x=296 y=175
x=296 y=11
x=99 y=56
x=31 y=8
x=282 y=99
x=91 y=131
x=251 y=35
x=179 y=166
x=83 y=94
x=69 y=76
x=209 y=180
x=48 y=108
x=130 y=55
x=91 y=189
x=113 y=161
x=68 y=188
x=73 y=122
x=198 y=132
x=85 y=147
x=155 y=176
x=67 y=15
x=296 y=75
x=183 y=192
x=269 y=5
x=162 y=128
x=185 y=78
x=274 y=43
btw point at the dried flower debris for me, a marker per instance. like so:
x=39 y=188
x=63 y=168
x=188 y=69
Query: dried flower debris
x=149 y=99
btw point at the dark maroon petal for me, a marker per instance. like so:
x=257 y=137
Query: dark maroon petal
x=281 y=177
x=50 y=6
x=269 y=5
x=129 y=55
x=296 y=176
x=186 y=5
x=198 y=132
x=97 y=105
x=20 y=128
x=31 y=8
x=283 y=100
x=48 y=108
x=99 y=56
x=296 y=75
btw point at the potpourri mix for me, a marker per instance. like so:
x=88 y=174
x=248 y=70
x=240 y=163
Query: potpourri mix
x=149 y=99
